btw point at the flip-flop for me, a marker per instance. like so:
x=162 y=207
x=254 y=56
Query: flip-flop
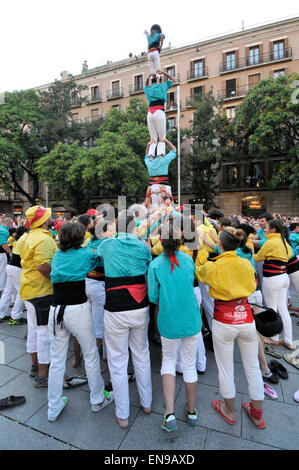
x=278 y=369
x=293 y=360
x=246 y=408
x=271 y=352
x=270 y=341
x=10 y=401
x=217 y=408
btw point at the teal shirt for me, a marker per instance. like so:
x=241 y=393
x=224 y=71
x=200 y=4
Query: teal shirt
x=159 y=166
x=294 y=240
x=4 y=235
x=93 y=246
x=158 y=91
x=72 y=265
x=179 y=314
x=124 y=255
x=151 y=39
x=262 y=237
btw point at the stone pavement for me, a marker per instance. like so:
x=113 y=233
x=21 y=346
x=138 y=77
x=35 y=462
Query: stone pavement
x=26 y=426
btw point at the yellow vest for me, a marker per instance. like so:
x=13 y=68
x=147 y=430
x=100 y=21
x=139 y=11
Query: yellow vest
x=36 y=249
x=229 y=277
x=274 y=248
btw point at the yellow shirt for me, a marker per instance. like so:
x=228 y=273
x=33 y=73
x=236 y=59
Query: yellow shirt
x=229 y=277
x=201 y=258
x=17 y=248
x=206 y=228
x=37 y=248
x=88 y=235
x=274 y=248
x=11 y=242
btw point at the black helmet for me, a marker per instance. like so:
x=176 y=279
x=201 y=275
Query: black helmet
x=156 y=28
x=268 y=323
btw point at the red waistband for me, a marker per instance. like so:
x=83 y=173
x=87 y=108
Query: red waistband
x=137 y=291
x=153 y=109
x=158 y=180
x=233 y=312
x=154 y=49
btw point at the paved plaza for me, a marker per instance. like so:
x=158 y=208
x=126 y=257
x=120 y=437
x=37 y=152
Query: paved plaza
x=26 y=426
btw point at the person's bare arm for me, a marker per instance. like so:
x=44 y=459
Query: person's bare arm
x=162 y=40
x=171 y=77
x=6 y=248
x=170 y=145
x=45 y=270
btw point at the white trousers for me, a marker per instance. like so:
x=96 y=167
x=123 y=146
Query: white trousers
x=201 y=359
x=38 y=337
x=77 y=321
x=124 y=330
x=95 y=291
x=3 y=263
x=157 y=128
x=189 y=348
x=223 y=340
x=207 y=303
x=294 y=278
x=12 y=287
x=154 y=61
x=156 y=195
x=275 y=291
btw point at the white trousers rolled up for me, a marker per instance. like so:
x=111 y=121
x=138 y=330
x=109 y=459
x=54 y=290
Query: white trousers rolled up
x=189 y=348
x=77 y=321
x=156 y=123
x=3 y=264
x=95 y=291
x=275 y=291
x=12 y=287
x=156 y=194
x=223 y=341
x=201 y=359
x=38 y=337
x=124 y=330
x=207 y=303
x=154 y=61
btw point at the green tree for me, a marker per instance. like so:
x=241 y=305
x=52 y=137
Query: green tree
x=267 y=125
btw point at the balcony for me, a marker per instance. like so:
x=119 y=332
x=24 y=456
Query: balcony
x=238 y=92
x=76 y=103
x=195 y=74
x=256 y=61
x=115 y=93
x=94 y=98
x=176 y=78
x=190 y=100
x=135 y=89
x=171 y=106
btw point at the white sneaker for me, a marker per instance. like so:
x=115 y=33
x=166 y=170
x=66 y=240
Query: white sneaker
x=270 y=392
x=64 y=401
x=109 y=398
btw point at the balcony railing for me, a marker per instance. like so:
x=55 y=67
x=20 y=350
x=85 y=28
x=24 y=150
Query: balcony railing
x=176 y=78
x=238 y=92
x=255 y=61
x=171 y=105
x=115 y=93
x=190 y=99
x=94 y=98
x=75 y=103
x=197 y=74
x=134 y=89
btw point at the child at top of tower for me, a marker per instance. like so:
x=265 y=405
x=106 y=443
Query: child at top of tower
x=155 y=42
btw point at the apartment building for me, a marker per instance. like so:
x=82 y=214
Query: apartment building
x=228 y=66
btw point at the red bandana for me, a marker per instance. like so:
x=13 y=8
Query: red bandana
x=40 y=211
x=173 y=261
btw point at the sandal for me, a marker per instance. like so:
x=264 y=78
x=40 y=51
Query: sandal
x=277 y=368
x=11 y=401
x=270 y=341
x=246 y=407
x=217 y=408
x=288 y=346
x=293 y=360
x=271 y=352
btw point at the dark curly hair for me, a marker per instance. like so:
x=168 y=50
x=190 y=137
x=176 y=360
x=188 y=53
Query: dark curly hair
x=71 y=235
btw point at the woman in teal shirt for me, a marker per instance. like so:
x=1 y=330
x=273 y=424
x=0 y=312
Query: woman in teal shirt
x=170 y=283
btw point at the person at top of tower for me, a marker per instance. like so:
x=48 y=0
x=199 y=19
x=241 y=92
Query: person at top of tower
x=155 y=42
x=156 y=94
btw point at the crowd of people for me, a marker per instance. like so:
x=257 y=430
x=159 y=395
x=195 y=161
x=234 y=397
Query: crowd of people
x=174 y=275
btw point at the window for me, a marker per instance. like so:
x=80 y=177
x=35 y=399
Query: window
x=254 y=80
x=254 y=55
x=255 y=177
x=94 y=92
x=115 y=88
x=171 y=70
x=116 y=106
x=230 y=112
x=197 y=91
x=278 y=50
x=138 y=82
x=170 y=99
x=231 y=88
x=230 y=60
x=198 y=68
x=231 y=175
x=279 y=73
x=94 y=114
x=171 y=124
x=75 y=117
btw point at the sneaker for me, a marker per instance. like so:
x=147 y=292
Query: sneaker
x=169 y=424
x=270 y=392
x=40 y=383
x=4 y=319
x=192 y=419
x=20 y=321
x=296 y=396
x=109 y=398
x=64 y=403
x=33 y=370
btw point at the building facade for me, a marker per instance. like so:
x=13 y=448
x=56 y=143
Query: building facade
x=228 y=66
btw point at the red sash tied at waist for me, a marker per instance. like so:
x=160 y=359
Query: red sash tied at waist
x=233 y=312
x=137 y=291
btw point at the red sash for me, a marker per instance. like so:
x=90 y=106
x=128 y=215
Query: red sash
x=233 y=312
x=137 y=291
x=153 y=109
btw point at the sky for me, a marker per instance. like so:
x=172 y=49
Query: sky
x=41 y=38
